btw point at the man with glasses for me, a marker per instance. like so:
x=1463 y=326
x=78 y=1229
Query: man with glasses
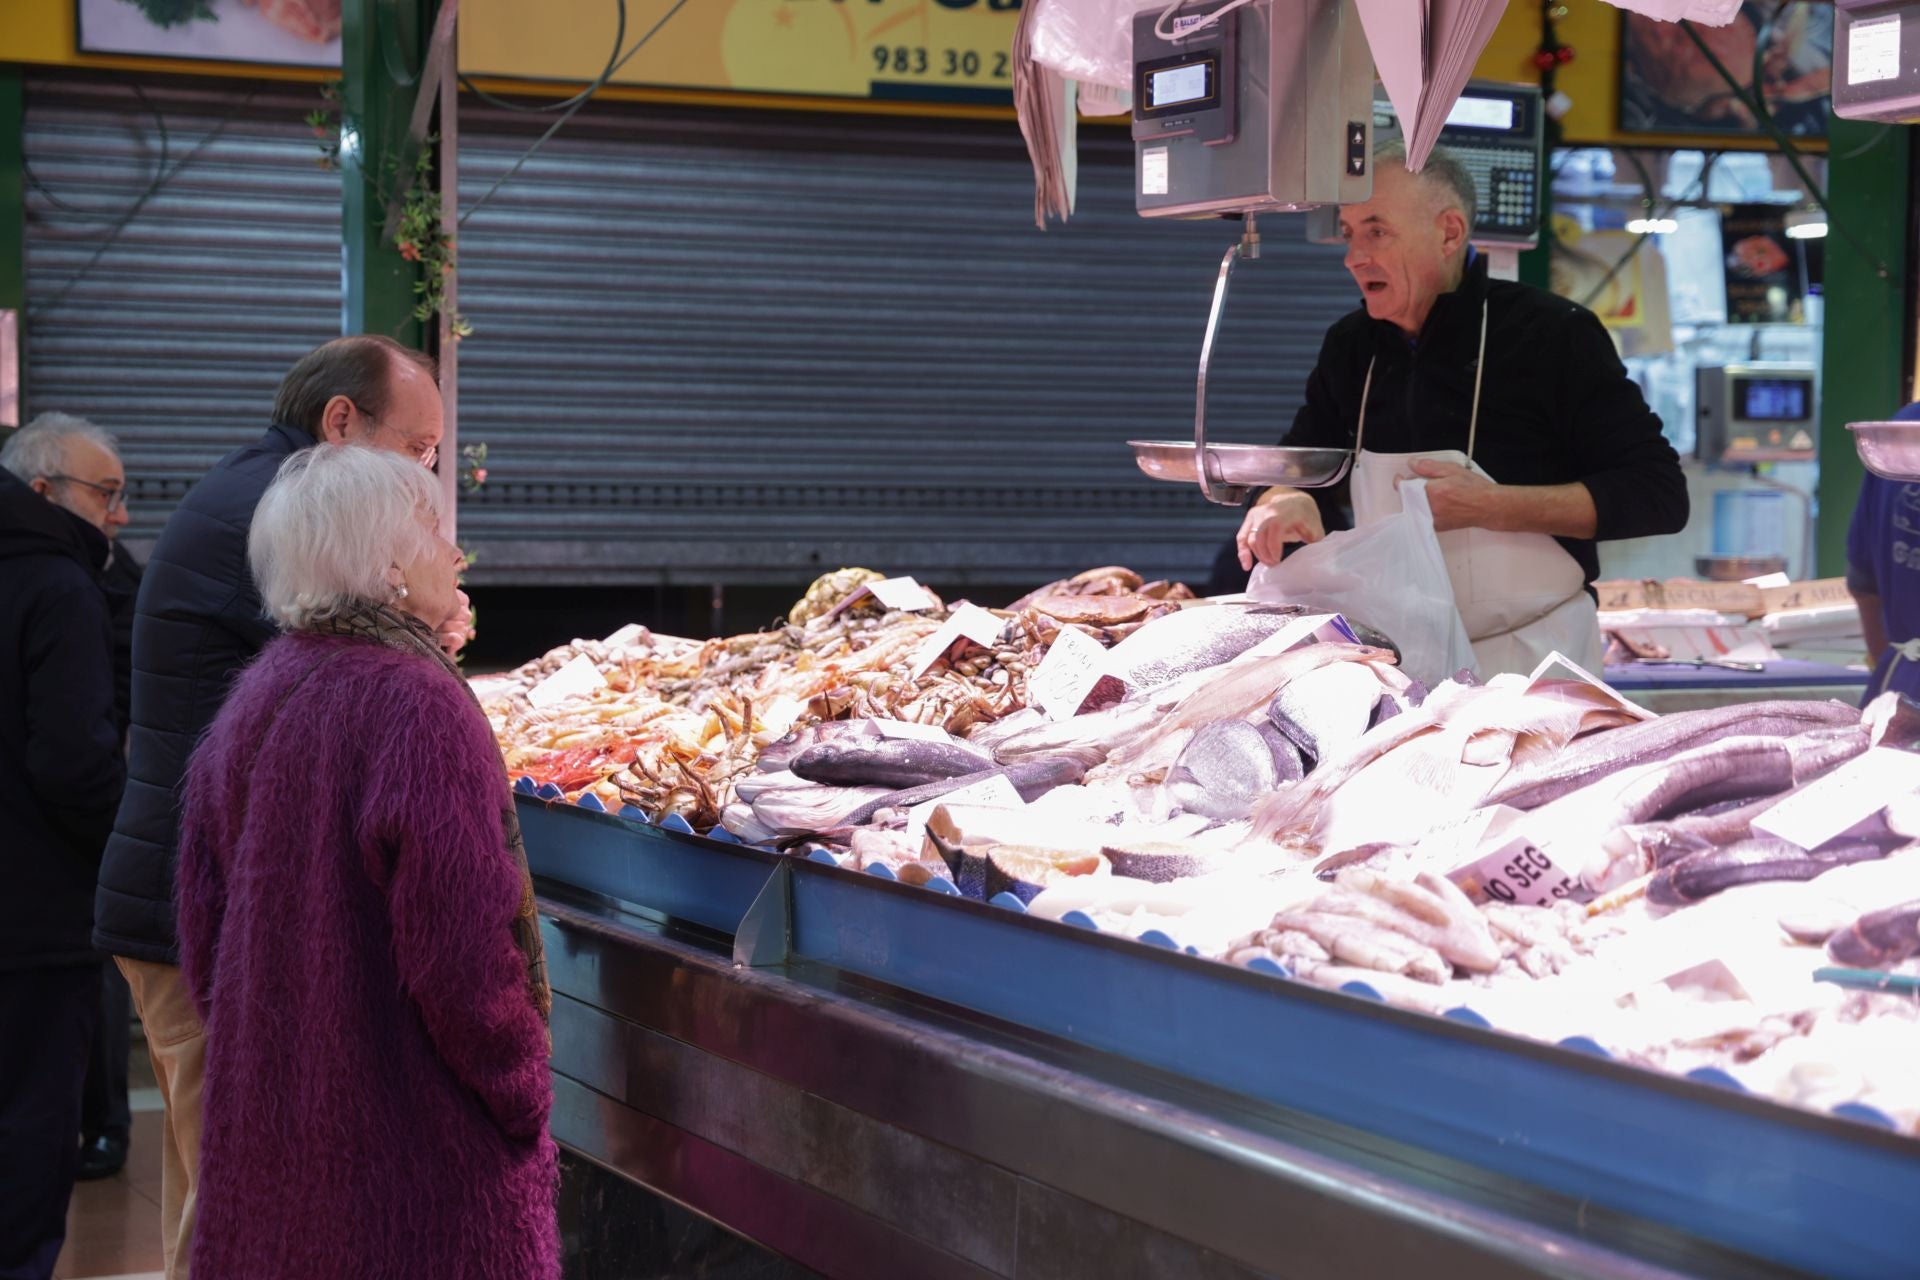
x=198 y=621
x=61 y=773
x=75 y=465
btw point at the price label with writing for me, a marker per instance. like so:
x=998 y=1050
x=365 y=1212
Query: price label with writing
x=917 y=732
x=1843 y=799
x=570 y=681
x=968 y=621
x=1518 y=871
x=902 y=593
x=1073 y=665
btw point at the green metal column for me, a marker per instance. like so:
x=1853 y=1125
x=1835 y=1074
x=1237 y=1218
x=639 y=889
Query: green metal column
x=382 y=47
x=13 y=234
x=1864 y=363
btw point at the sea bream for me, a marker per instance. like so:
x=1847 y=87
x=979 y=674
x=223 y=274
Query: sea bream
x=1223 y=771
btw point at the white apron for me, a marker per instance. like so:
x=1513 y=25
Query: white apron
x=1520 y=595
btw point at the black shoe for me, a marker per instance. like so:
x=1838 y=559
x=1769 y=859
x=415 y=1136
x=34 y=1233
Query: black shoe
x=102 y=1158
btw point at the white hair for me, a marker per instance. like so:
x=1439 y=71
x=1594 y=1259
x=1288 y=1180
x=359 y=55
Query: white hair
x=333 y=522
x=1443 y=176
x=39 y=449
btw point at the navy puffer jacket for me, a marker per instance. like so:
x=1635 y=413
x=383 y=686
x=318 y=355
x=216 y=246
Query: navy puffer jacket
x=197 y=621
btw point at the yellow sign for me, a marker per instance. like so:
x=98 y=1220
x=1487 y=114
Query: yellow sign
x=922 y=50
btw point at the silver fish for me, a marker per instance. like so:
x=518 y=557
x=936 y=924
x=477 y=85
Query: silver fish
x=886 y=762
x=1194 y=639
x=1032 y=778
x=810 y=807
x=1324 y=712
x=777 y=756
x=1545 y=779
x=1223 y=771
x=1711 y=871
x=1879 y=938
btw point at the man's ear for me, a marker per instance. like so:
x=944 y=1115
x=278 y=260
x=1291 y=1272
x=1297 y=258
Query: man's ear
x=334 y=419
x=42 y=486
x=1453 y=231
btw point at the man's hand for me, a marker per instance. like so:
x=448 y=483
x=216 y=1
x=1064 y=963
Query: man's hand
x=454 y=633
x=1462 y=498
x=1278 y=516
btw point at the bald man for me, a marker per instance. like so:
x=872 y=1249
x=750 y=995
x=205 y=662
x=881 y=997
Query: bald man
x=1509 y=401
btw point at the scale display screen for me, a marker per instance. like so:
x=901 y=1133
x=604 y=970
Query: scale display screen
x=1482 y=113
x=1178 y=85
x=1773 y=399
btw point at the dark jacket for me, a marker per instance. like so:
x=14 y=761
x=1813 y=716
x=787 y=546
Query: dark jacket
x=1556 y=405
x=121 y=582
x=197 y=621
x=60 y=765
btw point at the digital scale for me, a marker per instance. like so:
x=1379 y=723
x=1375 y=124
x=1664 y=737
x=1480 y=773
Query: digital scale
x=1498 y=132
x=1758 y=412
x=1243 y=107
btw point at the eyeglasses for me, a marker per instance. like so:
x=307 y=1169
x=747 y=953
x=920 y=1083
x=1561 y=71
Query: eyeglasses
x=116 y=495
x=426 y=457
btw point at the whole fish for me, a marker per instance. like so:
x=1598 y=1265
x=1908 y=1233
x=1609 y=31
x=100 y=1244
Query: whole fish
x=1710 y=871
x=810 y=807
x=1326 y=711
x=778 y=756
x=1879 y=938
x=886 y=762
x=1730 y=769
x=1223 y=771
x=1194 y=639
x=1243 y=686
x=1820 y=751
x=1287 y=763
x=1032 y=778
x=1545 y=779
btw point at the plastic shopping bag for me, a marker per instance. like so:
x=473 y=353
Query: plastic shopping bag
x=1389 y=575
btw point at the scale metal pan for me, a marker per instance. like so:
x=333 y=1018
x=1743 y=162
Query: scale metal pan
x=1891 y=450
x=1243 y=465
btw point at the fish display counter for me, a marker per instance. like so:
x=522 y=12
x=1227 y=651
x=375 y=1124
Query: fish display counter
x=930 y=940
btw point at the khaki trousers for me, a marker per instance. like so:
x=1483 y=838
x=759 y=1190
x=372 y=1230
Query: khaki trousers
x=177 y=1043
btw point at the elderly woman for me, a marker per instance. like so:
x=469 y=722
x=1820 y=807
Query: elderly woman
x=356 y=921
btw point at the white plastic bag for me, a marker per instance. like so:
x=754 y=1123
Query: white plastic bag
x=1389 y=575
x=1089 y=40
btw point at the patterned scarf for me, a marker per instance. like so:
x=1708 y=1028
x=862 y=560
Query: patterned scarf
x=397 y=630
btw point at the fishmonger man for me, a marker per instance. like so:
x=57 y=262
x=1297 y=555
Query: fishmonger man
x=1511 y=401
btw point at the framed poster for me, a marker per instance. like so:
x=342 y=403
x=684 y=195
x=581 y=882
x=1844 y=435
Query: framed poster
x=1667 y=86
x=290 y=32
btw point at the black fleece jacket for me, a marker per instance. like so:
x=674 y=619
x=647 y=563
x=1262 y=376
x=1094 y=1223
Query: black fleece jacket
x=1556 y=405
x=60 y=765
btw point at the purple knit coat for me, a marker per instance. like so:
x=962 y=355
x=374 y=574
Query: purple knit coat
x=376 y=1090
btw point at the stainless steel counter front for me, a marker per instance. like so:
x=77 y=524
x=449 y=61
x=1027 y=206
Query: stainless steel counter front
x=862 y=1131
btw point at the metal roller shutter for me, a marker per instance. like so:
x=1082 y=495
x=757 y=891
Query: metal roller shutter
x=712 y=345
x=177 y=338
x=732 y=347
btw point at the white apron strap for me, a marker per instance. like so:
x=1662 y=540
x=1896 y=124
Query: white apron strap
x=1366 y=390
x=1479 y=368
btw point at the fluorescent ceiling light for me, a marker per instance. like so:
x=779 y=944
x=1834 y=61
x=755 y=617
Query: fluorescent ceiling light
x=1653 y=226
x=1807 y=231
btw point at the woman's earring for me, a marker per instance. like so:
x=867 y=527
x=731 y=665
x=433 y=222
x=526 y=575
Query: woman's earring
x=400 y=592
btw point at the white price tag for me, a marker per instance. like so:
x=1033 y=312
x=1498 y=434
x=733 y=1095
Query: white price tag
x=917 y=732
x=1153 y=171
x=902 y=593
x=1556 y=658
x=1074 y=663
x=628 y=636
x=1843 y=799
x=1517 y=871
x=1873 y=49
x=968 y=621
x=577 y=677
x=989 y=793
